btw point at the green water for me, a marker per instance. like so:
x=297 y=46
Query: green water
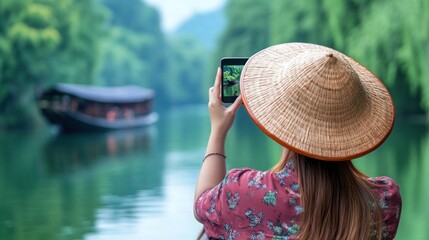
x=139 y=184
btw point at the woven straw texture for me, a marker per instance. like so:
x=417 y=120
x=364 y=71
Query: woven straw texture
x=316 y=101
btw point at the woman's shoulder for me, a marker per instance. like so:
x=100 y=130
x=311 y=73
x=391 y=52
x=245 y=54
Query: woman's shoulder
x=388 y=192
x=390 y=202
x=261 y=180
x=236 y=173
x=382 y=180
x=384 y=183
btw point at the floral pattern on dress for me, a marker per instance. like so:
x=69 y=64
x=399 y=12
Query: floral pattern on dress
x=254 y=218
x=256 y=182
x=258 y=236
x=251 y=204
x=270 y=198
x=232 y=234
x=233 y=200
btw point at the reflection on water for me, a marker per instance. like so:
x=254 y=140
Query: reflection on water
x=132 y=184
x=72 y=151
x=53 y=185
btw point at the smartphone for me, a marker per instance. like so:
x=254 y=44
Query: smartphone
x=231 y=71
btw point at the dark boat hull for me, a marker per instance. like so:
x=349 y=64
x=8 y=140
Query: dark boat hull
x=76 y=121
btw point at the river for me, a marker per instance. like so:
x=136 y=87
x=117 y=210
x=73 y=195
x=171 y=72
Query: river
x=138 y=184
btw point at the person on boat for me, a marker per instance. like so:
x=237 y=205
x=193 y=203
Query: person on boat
x=112 y=114
x=325 y=109
x=128 y=113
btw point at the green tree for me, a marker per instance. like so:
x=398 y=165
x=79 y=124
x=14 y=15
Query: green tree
x=187 y=71
x=29 y=33
x=247 y=29
x=299 y=21
x=388 y=37
x=135 y=51
x=394 y=45
x=42 y=42
x=121 y=63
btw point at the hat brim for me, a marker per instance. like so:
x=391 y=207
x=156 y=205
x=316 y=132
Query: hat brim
x=280 y=116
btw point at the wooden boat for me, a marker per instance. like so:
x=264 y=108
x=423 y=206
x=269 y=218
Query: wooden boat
x=86 y=108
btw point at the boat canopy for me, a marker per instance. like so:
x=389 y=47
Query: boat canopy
x=123 y=94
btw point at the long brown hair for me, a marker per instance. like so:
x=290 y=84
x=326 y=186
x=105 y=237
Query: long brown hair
x=337 y=199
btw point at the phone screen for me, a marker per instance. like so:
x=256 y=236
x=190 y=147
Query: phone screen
x=231 y=72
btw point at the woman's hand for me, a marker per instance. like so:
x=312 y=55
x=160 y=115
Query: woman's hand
x=213 y=169
x=221 y=118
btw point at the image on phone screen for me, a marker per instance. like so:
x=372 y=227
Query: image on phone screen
x=231 y=72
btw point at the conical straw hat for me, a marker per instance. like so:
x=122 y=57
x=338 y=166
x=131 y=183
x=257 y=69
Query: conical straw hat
x=316 y=101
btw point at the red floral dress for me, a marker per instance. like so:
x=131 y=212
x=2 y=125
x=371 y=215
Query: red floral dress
x=251 y=204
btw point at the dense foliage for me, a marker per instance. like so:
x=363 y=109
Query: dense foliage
x=247 y=30
x=134 y=50
x=42 y=42
x=389 y=37
x=115 y=42
x=103 y=42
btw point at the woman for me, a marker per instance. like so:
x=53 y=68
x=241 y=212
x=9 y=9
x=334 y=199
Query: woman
x=325 y=109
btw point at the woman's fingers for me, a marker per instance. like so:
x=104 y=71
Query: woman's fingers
x=237 y=103
x=214 y=92
x=216 y=86
x=218 y=79
x=233 y=108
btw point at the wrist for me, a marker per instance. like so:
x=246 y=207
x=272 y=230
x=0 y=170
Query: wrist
x=214 y=154
x=218 y=135
x=216 y=142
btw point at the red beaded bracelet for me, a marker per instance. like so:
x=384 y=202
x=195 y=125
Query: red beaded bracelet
x=211 y=154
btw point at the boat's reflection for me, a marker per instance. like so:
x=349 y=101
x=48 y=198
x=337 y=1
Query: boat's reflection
x=99 y=176
x=72 y=151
